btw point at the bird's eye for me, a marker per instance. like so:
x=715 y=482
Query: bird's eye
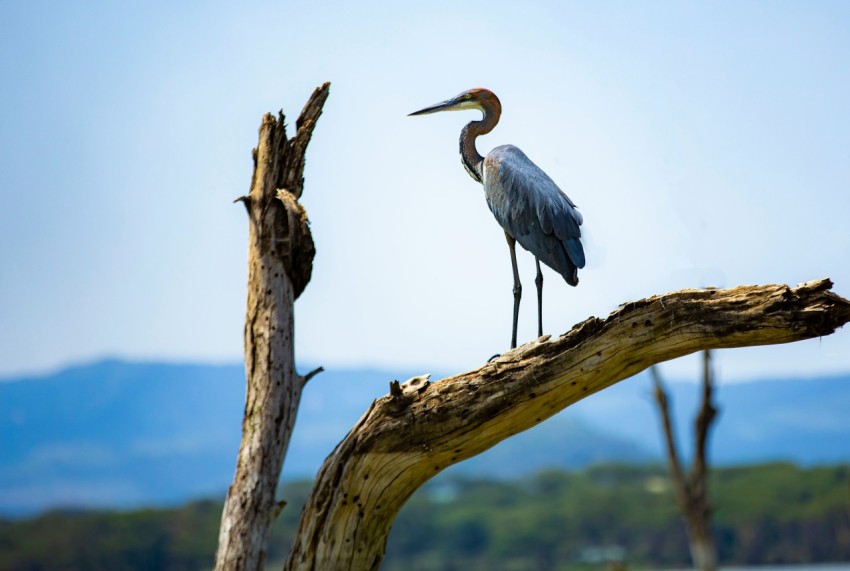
x=468 y=96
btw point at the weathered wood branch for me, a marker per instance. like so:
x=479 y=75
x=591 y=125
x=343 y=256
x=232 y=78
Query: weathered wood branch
x=280 y=263
x=406 y=438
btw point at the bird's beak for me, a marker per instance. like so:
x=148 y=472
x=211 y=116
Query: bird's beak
x=448 y=105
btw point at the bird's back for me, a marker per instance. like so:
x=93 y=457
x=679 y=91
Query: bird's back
x=533 y=210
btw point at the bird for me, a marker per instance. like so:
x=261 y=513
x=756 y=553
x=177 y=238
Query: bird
x=525 y=201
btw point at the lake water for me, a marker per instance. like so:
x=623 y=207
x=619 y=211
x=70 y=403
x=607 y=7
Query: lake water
x=812 y=567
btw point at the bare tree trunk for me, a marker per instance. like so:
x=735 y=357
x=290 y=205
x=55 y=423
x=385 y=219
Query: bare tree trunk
x=703 y=551
x=691 y=491
x=280 y=262
x=420 y=428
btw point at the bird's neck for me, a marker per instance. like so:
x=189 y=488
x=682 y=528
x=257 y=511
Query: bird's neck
x=468 y=153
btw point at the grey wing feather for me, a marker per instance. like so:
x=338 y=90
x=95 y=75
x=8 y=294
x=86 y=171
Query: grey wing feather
x=533 y=210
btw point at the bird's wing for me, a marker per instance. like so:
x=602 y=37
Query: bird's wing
x=531 y=208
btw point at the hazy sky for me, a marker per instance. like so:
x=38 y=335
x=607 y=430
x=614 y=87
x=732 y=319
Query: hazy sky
x=705 y=143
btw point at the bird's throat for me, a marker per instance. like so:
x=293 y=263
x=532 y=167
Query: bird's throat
x=472 y=161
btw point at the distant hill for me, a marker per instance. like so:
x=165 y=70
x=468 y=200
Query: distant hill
x=773 y=513
x=800 y=420
x=123 y=434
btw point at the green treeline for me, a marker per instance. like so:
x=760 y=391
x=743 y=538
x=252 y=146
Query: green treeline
x=773 y=513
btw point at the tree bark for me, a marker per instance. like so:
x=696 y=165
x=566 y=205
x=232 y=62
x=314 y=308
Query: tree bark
x=408 y=436
x=280 y=262
x=691 y=490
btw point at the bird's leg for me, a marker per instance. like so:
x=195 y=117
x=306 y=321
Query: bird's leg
x=539 y=281
x=517 y=287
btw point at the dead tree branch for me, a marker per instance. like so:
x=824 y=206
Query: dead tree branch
x=680 y=481
x=691 y=490
x=280 y=263
x=406 y=438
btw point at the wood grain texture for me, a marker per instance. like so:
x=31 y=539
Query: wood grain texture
x=280 y=262
x=407 y=437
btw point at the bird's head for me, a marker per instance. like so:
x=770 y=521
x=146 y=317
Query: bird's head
x=477 y=98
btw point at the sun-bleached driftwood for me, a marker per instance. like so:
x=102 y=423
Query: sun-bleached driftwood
x=280 y=263
x=421 y=427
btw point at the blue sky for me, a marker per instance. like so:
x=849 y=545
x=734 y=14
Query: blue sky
x=705 y=143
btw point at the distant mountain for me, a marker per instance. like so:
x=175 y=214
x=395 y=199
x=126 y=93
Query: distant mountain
x=123 y=434
x=801 y=420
